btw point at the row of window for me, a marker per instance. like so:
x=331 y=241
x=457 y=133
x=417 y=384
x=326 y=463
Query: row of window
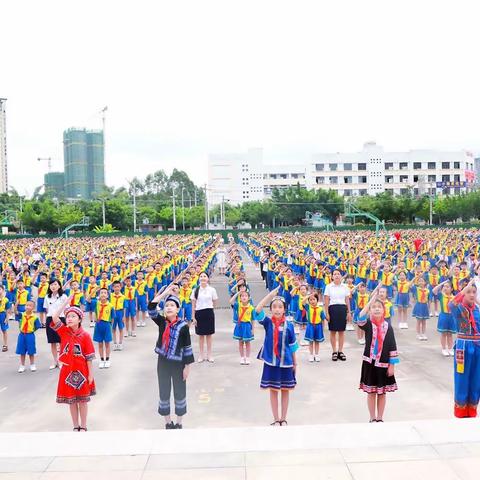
x=284 y=176
x=403 y=191
x=388 y=179
x=320 y=167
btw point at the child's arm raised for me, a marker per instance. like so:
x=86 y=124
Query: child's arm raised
x=266 y=300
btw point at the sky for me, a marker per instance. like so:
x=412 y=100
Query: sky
x=183 y=79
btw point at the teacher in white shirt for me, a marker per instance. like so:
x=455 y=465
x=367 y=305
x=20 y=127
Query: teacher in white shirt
x=204 y=300
x=337 y=311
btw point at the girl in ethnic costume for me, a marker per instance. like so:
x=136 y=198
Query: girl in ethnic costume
x=278 y=354
x=75 y=383
x=379 y=357
x=174 y=349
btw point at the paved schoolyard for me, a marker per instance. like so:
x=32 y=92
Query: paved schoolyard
x=227 y=394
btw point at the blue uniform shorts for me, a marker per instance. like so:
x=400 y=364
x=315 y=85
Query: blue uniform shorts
x=26 y=344
x=118 y=319
x=4 y=322
x=142 y=303
x=102 y=332
x=130 y=308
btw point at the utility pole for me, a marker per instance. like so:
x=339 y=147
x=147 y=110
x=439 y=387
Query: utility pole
x=430 y=196
x=195 y=193
x=103 y=211
x=222 y=212
x=102 y=113
x=174 y=211
x=206 y=208
x=183 y=211
x=134 y=207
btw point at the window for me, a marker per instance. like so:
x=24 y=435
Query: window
x=415 y=191
x=362 y=191
x=389 y=178
x=362 y=166
x=432 y=178
x=319 y=167
x=389 y=191
x=417 y=165
x=445 y=178
x=294 y=175
x=431 y=165
x=273 y=176
x=456 y=165
x=320 y=180
x=283 y=175
x=403 y=165
x=403 y=191
x=333 y=167
x=415 y=178
x=334 y=180
x=347 y=179
x=445 y=165
x=403 y=178
x=347 y=192
x=362 y=179
x=347 y=166
x=456 y=178
x=389 y=166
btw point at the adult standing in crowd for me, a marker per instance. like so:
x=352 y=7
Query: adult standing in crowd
x=221 y=258
x=54 y=300
x=204 y=300
x=337 y=311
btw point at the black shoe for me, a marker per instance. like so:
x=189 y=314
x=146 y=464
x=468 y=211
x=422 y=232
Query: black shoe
x=169 y=426
x=178 y=426
x=342 y=356
x=334 y=356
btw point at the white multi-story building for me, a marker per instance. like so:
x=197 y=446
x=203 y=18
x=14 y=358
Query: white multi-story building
x=3 y=148
x=243 y=177
x=373 y=171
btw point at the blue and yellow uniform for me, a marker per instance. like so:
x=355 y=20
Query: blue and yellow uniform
x=28 y=324
x=243 y=330
x=103 y=327
x=4 y=306
x=117 y=301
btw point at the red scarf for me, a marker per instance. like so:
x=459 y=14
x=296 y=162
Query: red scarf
x=471 y=318
x=276 y=330
x=166 y=333
x=380 y=334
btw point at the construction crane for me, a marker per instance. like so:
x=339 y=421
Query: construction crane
x=49 y=160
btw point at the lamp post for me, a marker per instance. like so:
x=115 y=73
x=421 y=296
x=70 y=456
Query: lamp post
x=174 y=212
x=183 y=211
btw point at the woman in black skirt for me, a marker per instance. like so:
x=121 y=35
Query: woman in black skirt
x=379 y=357
x=53 y=301
x=204 y=300
x=337 y=311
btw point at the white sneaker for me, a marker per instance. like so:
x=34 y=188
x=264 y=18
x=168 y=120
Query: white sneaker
x=424 y=337
x=21 y=368
x=211 y=360
x=317 y=358
x=436 y=314
x=53 y=366
x=107 y=363
x=432 y=314
x=242 y=361
x=120 y=346
x=405 y=326
x=115 y=347
x=311 y=358
x=125 y=335
x=445 y=352
x=33 y=368
x=133 y=334
x=101 y=364
x=350 y=327
x=361 y=341
x=144 y=324
x=419 y=336
x=247 y=361
x=304 y=343
x=138 y=324
x=200 y=360
x=92 y=324
x=451 y=352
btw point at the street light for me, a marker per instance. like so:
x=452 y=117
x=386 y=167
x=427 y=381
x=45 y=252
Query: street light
x=183 y=211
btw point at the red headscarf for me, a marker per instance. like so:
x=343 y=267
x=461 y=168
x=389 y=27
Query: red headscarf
x=276 y=324
x=166 y=333
x=378 y=322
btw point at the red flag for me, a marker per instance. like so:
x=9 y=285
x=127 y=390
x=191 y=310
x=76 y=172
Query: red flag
x=397 y=235
x=417 y=242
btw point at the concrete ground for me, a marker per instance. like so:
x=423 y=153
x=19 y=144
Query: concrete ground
x=227 y=394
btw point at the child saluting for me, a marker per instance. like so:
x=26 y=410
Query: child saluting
x=75 y=382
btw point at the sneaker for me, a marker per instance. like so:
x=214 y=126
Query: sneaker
x=144 y=324
x=107 y=364
x=115 y=347
x=211 y=360
x=178 y=426
x=311 y=358
x=101 y=364
x=445 y=352
x=120 y=346
x=424 y=337
x=247 y=361
x=133 y=334
x=4 y=348
x=316 y=358
x=436 y=314
x=200 y=360
x=169 y=426
x=53 y=366
x=33 y=368
x=125 y=335
x=451 y=352
x=304 y=343
x=21 y=368
x=432 y=314
x=361 y=341
x=92 y=324
x=242 y=361
x=138 y=324
x=419 y=336
x=350 y=327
